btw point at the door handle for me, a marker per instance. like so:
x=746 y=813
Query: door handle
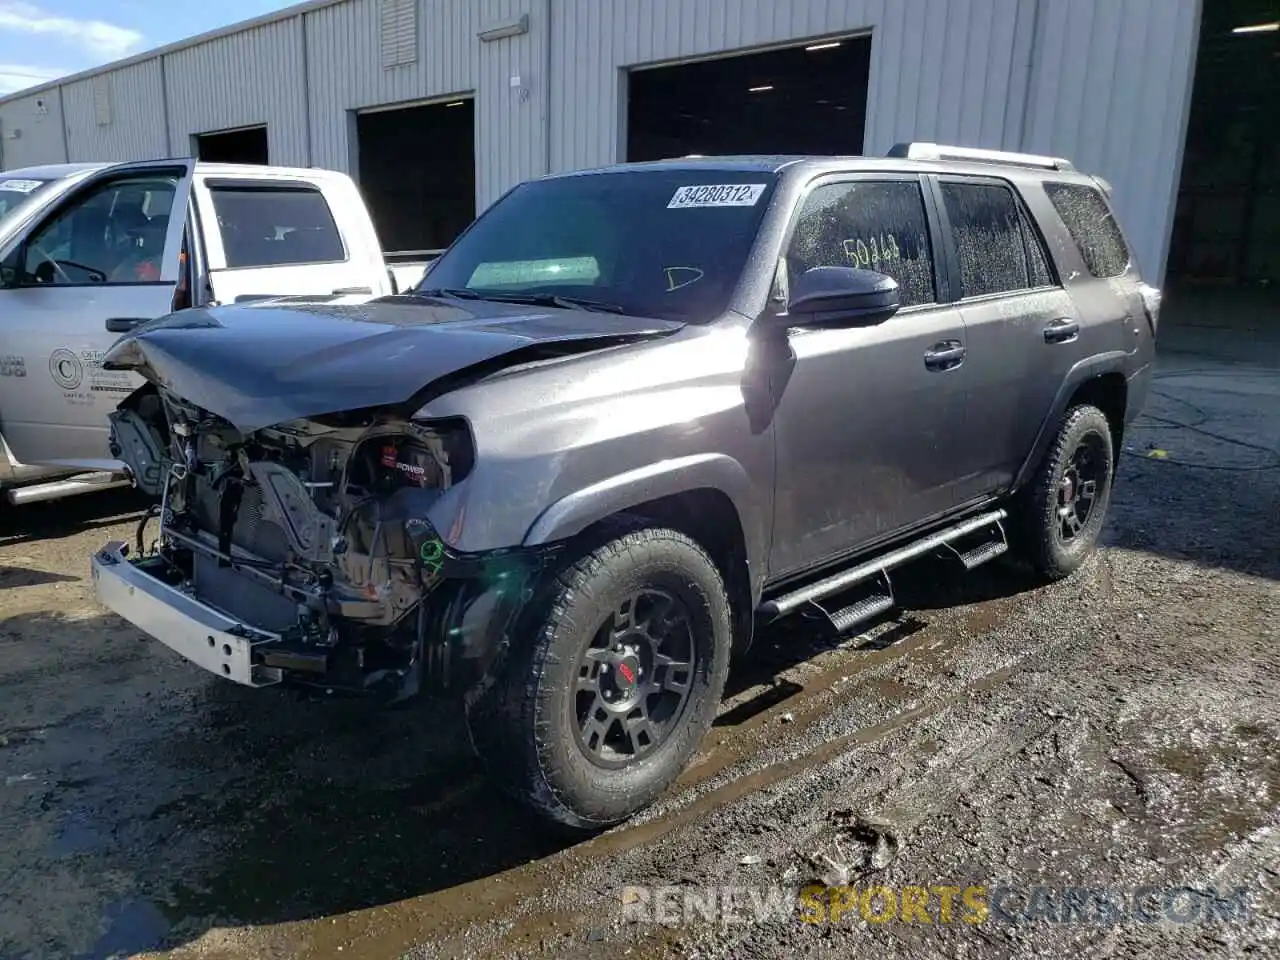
x=1063 y=330
x=946 y=355
x=123 y=324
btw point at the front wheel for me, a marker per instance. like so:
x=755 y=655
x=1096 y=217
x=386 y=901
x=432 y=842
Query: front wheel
x=614 y=681
x=1058 y=519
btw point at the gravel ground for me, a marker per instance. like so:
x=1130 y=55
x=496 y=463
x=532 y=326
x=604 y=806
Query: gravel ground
x=1001 y=741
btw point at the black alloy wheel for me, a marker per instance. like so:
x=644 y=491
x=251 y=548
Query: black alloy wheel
x=1057 y=519
x=634 y=678
x=613 y=678
x=1078 y=489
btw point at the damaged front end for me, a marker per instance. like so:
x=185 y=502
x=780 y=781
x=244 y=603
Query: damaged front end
x=307 y=542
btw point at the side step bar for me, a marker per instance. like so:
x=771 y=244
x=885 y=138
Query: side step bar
x=882 y=598
x=70 y=487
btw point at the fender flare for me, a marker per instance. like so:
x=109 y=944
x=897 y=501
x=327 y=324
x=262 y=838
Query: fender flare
x=573 y=513
x=1114 y=361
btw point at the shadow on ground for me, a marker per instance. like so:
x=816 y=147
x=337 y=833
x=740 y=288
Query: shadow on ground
x=61 y=518
x=210 y=804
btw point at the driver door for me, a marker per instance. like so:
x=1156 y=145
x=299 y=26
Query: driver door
x=102 y=260
x=871 y=417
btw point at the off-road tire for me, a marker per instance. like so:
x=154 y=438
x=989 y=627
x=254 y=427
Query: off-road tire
x=524 y=725
x=1036 y=525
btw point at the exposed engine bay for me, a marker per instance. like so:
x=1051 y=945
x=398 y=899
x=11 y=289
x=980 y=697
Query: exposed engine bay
x=312 y=534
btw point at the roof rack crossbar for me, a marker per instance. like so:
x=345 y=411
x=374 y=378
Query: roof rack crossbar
x=937 y=151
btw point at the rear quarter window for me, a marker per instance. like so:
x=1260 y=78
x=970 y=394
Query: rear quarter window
x=274 y=225
x=1092 y=226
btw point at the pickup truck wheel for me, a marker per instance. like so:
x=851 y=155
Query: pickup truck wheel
x=1060 y=516
x=593 y=717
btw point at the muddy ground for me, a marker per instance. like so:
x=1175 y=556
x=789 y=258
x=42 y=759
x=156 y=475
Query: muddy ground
x=1120 y=730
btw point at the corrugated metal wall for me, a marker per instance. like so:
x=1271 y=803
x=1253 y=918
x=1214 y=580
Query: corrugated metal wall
x=514 y=99
x=31 y=130
x=1106 y=82
x=1111 y=88
x=940 y=69
x=345 y=69
x=240 y=80
x=133 y=126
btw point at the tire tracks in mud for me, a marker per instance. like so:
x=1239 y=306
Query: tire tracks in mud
x=740 y=758
x=760 y=756
x=849 y=763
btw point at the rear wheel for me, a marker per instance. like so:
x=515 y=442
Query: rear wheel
x=614 y=682
x=1059 y=518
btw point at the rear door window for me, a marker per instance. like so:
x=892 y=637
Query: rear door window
x=273 y=225
x=876 y=225
x=997 y=248
x=1092 y=226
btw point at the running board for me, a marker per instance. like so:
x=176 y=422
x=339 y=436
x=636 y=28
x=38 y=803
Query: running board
x=880 y=567
x=878 y=599
x=70 y=487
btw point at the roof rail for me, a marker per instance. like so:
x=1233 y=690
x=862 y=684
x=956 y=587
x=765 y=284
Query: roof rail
x=936 y=151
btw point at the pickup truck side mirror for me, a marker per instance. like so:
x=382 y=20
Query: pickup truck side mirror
x=843 y=294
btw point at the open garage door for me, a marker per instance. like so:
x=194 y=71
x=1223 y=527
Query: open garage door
x=1227 y=228
x=246 y=145
x=418 y=173
x=810 y=98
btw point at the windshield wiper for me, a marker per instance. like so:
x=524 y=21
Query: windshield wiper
x=557 y=300
x=531 y=299
x=457 y=293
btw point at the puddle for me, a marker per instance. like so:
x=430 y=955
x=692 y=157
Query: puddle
x=76 y=835
x=132 y=926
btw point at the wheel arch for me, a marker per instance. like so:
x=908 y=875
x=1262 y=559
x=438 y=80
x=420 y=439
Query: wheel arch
x=708 y=497
x=1099 y=381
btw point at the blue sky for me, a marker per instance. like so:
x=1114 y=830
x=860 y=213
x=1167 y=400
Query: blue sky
x=44 y=39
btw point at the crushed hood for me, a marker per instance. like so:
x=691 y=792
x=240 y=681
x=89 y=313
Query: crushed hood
x=256 y=366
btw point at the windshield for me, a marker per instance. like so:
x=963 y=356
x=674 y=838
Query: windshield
x=15 y=191
x=669 y=244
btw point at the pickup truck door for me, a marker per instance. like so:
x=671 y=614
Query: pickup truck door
x=870 y=417
x=102 y=258
x=275 y=234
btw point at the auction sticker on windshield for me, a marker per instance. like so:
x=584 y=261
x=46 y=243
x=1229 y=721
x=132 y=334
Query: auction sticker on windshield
x=717 y=195
x=20 y=186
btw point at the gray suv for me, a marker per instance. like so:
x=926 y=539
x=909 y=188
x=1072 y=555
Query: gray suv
x=630 y=415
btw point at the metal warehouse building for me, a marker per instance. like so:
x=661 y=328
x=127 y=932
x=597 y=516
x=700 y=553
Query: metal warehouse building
x=438 y=106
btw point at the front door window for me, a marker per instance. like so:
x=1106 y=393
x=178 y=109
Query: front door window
x=114 y=234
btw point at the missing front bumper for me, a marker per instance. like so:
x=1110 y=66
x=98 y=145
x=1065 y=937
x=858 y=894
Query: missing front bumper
x=201 y=634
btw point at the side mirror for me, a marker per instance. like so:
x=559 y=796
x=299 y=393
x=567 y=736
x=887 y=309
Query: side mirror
x=843 y=294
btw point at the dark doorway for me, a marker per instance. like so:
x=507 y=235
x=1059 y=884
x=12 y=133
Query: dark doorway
x=805 y=99
x=418 y=173
x=248 y=145
x=1227 y=226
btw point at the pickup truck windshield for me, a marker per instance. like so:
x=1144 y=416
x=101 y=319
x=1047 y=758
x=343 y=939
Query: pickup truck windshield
x=15 y=191
x=669 y=244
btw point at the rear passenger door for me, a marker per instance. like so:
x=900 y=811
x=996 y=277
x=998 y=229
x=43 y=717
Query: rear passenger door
x=1024 y=333
x=274 y=237
x=871 y=417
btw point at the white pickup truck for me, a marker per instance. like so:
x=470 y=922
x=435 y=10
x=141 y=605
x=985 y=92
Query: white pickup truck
x=87 y=251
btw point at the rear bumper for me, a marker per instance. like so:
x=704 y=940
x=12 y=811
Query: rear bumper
x=205 y=636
